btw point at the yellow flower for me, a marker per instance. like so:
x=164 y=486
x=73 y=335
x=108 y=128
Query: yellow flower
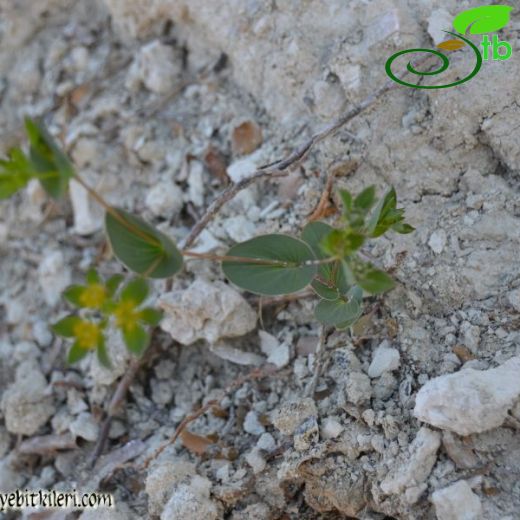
x=93 y=296
x=126 y=315
x=87 y=334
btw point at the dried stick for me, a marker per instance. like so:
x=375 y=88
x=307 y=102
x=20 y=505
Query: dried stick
x=116 y=401
x=318 y=363
x=256 y=373
x=281 y=167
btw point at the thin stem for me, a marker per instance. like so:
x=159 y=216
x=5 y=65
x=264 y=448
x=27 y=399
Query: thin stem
x=109 y=209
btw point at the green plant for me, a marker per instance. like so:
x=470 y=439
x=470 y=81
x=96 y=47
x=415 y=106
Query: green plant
x=100 y=305
x=325 y=257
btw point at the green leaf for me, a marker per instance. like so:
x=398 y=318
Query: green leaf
x=135 y=290
x=15 y=173
x=484 y=19
x=346 y=198
x=102 y=353
x=65 y=326
x=325 y=291
x=136 y=339
x=403 y=228
x=280 y=266
x=366 y=199
x=93 y=277
x=113 y=283
x=151 y=316
x=313 y=234
x=338 y=312
x=73 y=294
x=375 y=281
x=49 y=161
x=76 y=353
x=140 y=247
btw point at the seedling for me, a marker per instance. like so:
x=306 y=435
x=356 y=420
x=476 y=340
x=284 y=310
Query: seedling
x=324 y=257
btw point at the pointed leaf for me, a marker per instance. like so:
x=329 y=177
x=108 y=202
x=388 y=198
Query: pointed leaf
x=403 y=228
x=65 y=326
x=151 y=316
x=47 y=158
x=337 y=312
x=140 y=247
x=484 y=19
x=384 y=205
x=92 y=276
x=375 y=281
x=113 y=283
x=136 y=339
x=135 y=290
x=365 y=200
x=346 y=198
x=102 y=353
x=15 y=173
x=76 y=353
x=280 y=266
x=73 y=294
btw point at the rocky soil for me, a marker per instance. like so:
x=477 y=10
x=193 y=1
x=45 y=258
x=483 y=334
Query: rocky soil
x=161 y=104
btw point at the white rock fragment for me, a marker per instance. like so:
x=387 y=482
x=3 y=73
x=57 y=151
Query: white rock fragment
x=196 y=183
x=331 y=428
x=514 y=299
x=86 y=221
x=24 y=404
x=165 y=199
x=256 y=461
x=252 y=425
x=191 y=500
x=457 y=502
x=329 y=98
x=239 y=228
x=53 y=276
x=242 y=169
x=266 y=442
x=415 y=467
x=205 y=310
x=278 y=353
x=10 y=479
x=306 y=434
x=438 y=240
x=291 y=414
x=155 y=67
x=235 y=355
x=470 y=401
x=358 y=388
x=85 y=426
x=385 y=359
x=161 y=481
x=438 y=22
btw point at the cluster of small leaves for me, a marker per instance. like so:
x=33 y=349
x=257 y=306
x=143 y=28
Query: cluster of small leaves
x=101 y=305
x=45 y=162
x=324 y=257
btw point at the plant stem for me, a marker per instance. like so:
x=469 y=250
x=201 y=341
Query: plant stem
x=109 y=209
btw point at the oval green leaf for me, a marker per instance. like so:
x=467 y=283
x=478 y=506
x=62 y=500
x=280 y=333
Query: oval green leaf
x=278 y=265
x=375 y=281
x=140 y=247
x=339 y=313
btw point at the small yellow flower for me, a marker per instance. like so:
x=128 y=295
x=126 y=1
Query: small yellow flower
x=126 y=315
x=93 y=296
x=87 y=334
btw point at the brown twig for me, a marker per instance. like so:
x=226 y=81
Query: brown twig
x=257 y=373
x=117 y=400
x=318 y=362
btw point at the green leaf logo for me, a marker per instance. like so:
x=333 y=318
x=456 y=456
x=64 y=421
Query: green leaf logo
x=480 y=20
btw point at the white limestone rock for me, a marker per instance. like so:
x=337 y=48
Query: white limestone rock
x=165 y=199
x=470 y=401
x=54 y=276
x=291 y=414
x=416 y=466
x=457 y=502
x=85 y=426
x=208 y=311
x=86 y=219
x=25 y=404
x=385 y=359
